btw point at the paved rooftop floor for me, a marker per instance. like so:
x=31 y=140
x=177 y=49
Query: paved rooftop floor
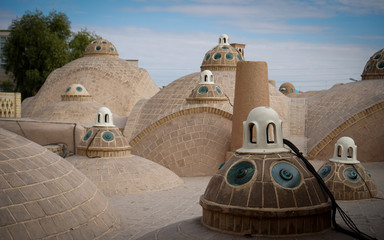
x=175 y=213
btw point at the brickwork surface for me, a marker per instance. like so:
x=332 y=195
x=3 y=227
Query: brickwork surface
x=44 y=196
x=189 y=145
x=69 y=111
x=344 y=187
x=174 y=96
x=365 y=128
x=176 y=213
x=329 y=109
x=235 y=201
x=185 y=151
x=126 y=175
x=112 y=82
x=95 y=144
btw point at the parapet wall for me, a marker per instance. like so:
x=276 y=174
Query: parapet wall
x=10 y=104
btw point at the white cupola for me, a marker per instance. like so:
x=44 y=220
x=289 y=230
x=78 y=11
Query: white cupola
x=345 y=151
x=223 y=39
x=104 y=117
x=262 y=132
x=206 y=77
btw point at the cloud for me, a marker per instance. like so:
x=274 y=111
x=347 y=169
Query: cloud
x=168 y=56
x=247 y=9
x=6 y=17
x=272 y=16
x=358 y=6
x=369 y=37
x=275 y=27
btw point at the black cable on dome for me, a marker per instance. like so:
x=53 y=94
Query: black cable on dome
x=354 y=231
x=89 y=144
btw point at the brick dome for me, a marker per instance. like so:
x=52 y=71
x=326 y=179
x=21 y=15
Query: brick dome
x=264 y=187
x=374 y=68
x=101 y=47
x=222 y=57
x=44 y=196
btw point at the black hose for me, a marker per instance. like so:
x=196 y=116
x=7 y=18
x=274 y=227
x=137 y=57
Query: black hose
x=354 y=231
x=74 y=138
x=89 y=144
x=65 y=149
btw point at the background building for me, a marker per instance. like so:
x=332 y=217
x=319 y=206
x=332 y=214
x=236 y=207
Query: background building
x=4 y=34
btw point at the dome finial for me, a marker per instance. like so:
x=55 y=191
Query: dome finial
x=262 y=132
x=224 y=39
x=345 y=151
x=206 y=77
x=104 y=117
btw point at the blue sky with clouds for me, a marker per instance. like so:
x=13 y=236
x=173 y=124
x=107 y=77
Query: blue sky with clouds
x=311 y=43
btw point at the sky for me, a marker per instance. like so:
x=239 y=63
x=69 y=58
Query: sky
x=313 y=44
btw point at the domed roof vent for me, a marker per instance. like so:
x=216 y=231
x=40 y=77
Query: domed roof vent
x=345 y=176
x=104 y=117
x=76 y=92
x=224 y=39
x=287 y=88
x=345 y=151
x=101 y=47
x=206 y=91
x=104 y=139
x=206 y=77
x=262 y=132
x=263 y=188
x=374 y=68
x=222 y=57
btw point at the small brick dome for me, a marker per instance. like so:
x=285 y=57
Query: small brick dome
x=345 y=176
x=76 y=92
x=104 y=139
x=287 y=88
x=222 y=57
x=101 y=47
x=374 y=68
x=206 y=91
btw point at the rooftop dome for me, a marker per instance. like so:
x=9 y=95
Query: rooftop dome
x=374 y=68
x=44 y=196
x=104 y=139
x=345 y=176
x=222 y=57
x=265 y=191
x=287 y=88
x=76 y=105
x=101 y=47
x=76 y=92
x=206 y=91
x=117 y=176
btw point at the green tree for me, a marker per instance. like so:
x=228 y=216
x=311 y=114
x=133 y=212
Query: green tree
x=6 y=86
x=79 y=42
x=39 y=44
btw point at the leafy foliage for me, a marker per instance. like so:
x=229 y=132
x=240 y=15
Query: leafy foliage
x=39 y=44
x=79 y=42
x=6 y=86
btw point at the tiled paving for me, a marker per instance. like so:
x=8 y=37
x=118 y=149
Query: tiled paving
x=175 y=213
